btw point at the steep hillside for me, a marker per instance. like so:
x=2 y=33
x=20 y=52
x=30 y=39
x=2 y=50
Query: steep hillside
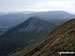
x=28 y=33
x=62 y=39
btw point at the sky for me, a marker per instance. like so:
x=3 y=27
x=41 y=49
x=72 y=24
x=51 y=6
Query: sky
x=37 y=5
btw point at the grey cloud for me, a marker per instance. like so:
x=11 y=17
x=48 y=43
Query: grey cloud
x=15 y=5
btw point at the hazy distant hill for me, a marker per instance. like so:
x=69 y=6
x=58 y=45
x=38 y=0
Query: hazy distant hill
x=57 y=16
x=62 y=39
x=3 y=28
x=28 y=33
x=11 y=19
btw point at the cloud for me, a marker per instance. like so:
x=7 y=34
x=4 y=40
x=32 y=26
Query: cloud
x=36 y=5
x=52 y=5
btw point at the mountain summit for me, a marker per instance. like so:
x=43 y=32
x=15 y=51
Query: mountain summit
x=27 y=33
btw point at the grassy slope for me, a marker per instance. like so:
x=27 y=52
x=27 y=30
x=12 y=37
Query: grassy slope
x=19 y=40
x=62 y=39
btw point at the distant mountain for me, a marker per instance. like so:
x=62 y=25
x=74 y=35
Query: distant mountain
x=54 y=16
x=11 y=19
x=60 y=40
x=28 y=33
x=3 y=28
x=16 y=12
x=2 y=14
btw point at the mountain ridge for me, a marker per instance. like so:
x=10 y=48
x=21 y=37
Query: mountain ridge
x=56 y=41
x=29 y=32
x=11 y=19
x=27 y=22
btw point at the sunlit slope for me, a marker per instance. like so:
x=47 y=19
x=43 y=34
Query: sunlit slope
x=62 y=39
